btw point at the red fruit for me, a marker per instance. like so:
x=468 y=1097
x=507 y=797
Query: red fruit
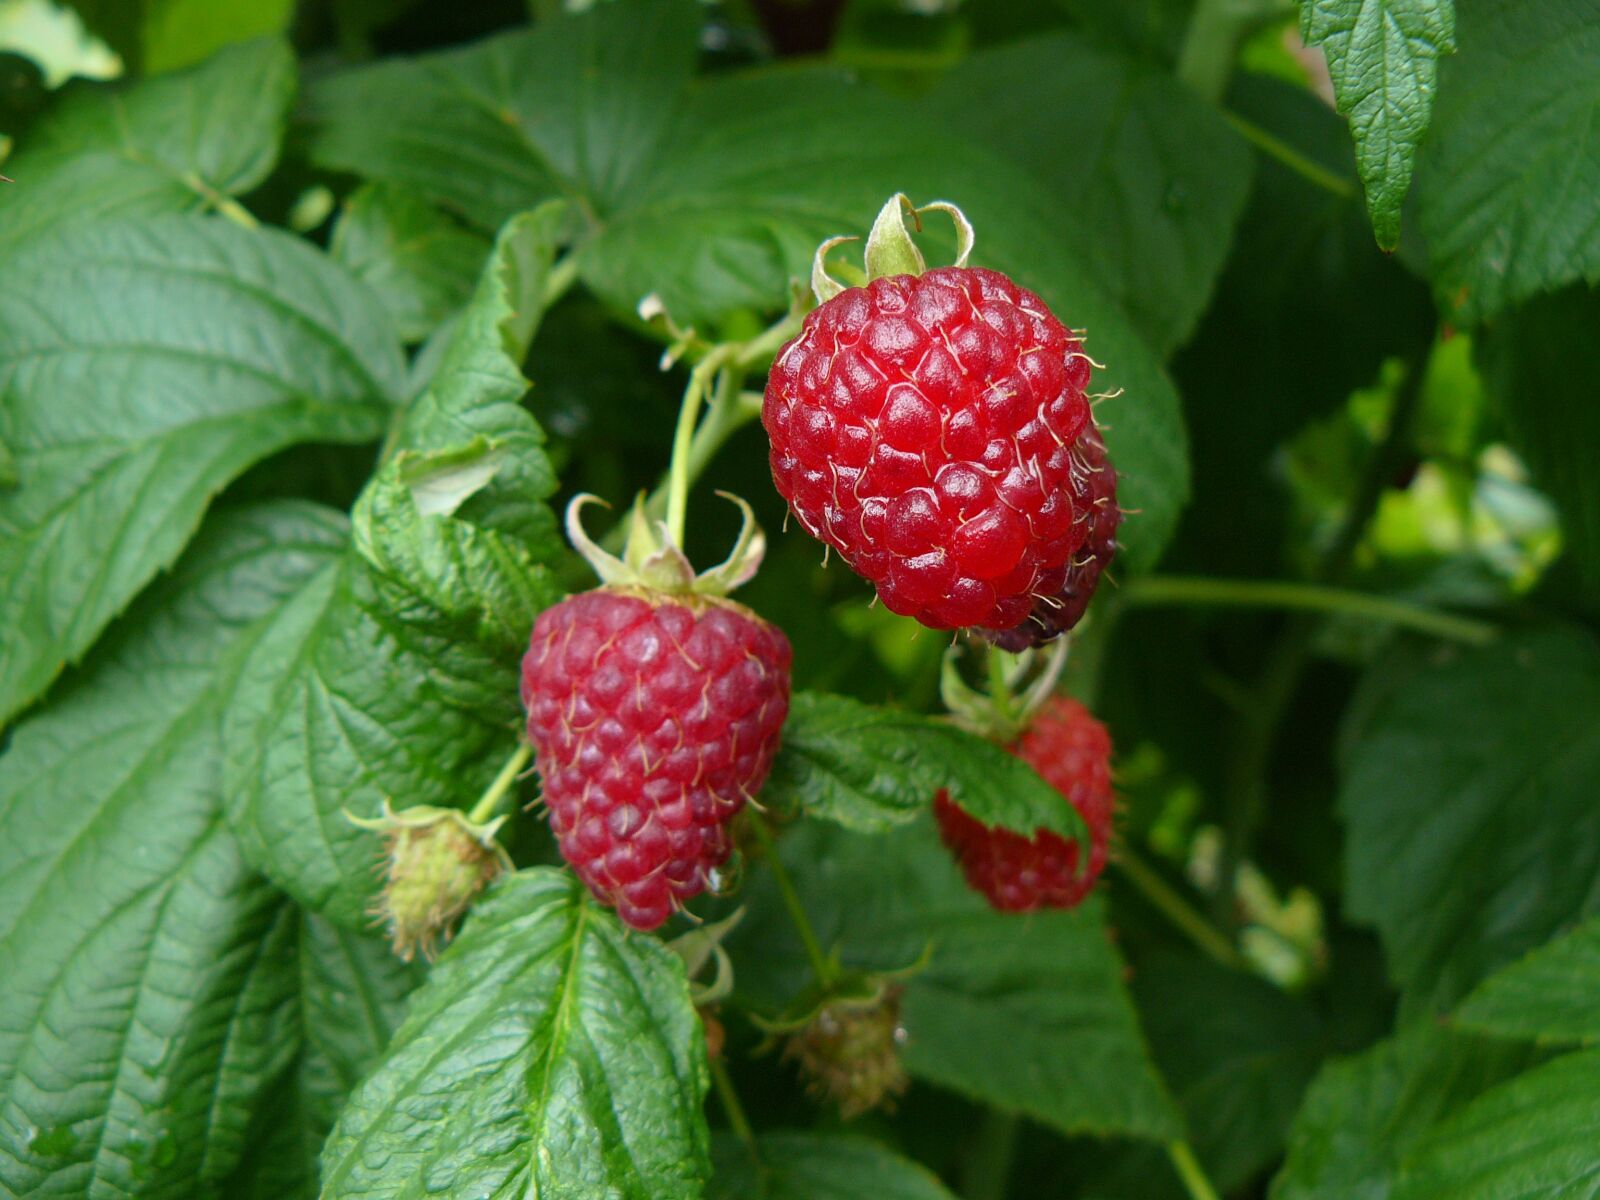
x=1094 y=500
x=655 y=717
x=923 y=426
x=1072 y=752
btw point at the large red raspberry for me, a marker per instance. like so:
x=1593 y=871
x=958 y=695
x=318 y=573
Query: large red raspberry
x=655 y=717
x=1072 y=752
x=923 y=427
x=1094 y=499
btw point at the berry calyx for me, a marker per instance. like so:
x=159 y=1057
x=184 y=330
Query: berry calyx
x=436 y=861
x=655 y=707
x=1071 y=751
x=925 y=425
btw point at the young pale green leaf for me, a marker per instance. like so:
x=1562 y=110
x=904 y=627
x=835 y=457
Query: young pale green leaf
x=1026 y=1012
x=817 y=1166
x=1383 y=58
x=1468 y=790
x=419 y=261
x=1363 y=1114
x=573 y=107
x=1535 y=1136
x=1541 y=360
x=1549 y=996
x=171 y=144
x=1507 y=179
x=1238 y=1063
x=149 y=974
x=177 y=33
x=1149 y=178
x=145 y=365
x=392 y=675
x=870 y=769
x=550 y=1053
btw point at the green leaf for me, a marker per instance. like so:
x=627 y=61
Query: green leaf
x=1535 y=1136
x=550 y=1053
x=1550 y=995
x=1473 y=833
x=1506 y=182
x=1148 y=178
x=572 y=107
x=420 y=262
x=1238 y=1062
x=1541 y=360
x=1363 y=1114
x=392 y=675
x=180 y=32
x=145 y=365
x=149 y=974
x=1383 y=57
x=870 y=769
x=172 y=144
x=818 y=1166
x=1027 y=1013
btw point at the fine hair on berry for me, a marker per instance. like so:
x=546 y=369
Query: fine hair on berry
x=1071 y=751
x=655 y=717
x=925 y=427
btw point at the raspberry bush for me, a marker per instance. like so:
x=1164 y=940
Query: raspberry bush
x=1128 y=732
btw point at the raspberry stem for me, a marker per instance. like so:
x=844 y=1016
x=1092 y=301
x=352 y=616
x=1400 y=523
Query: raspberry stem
x=1163 y=897
x=483 y=810
x=1305 y=597
x=821 y=967
x=1190 y=1171
x=732 y=1108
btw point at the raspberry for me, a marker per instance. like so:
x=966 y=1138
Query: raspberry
x=923 y=426
x=1072 y=752
x=849 y=1053
x=1094 y=498
x=655 y=717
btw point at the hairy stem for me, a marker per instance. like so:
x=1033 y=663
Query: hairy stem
x=1275 y=147
x=821 y=967
x=732 y=1108
x=1190 y=1171
x=484 y=809
x=1171 y=904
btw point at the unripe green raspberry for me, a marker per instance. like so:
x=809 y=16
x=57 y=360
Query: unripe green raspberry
x=849 y=1052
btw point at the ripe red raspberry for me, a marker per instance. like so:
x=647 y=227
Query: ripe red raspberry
x=1094 y=500
x=923 y=426
x=654 y=717
x=1072 y=752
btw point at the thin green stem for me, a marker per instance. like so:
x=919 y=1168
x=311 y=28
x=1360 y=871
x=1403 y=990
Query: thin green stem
x=987 y=1169
x=1304 y=597
x=683 y=445
x=1000 y=686
x=737 y=1121
x=1190 y=1171
x=1179 y=911
x=563 y=274
x=223 y=203
x=1210 y=44
x=1275 y=147
x=484 y=809
x=821 y=967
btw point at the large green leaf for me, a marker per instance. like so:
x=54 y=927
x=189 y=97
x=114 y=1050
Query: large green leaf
x=144 y=366
x=1363 y=1114
x=1024 y=1012
x=1536 y=1136
x=1148 y=178
x=1542 y=361
x=1550 y=995
x=550 y=1053
x=392 y=674
x=571 y=108
x=1469 y=793
x=870 y=769
x=818 y=1166
x=1383 y=57
x=419 y=261
x=149 y=974
x=1507 y=179
x=168 y=145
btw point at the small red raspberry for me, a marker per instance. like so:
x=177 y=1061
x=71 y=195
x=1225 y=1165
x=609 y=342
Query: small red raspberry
x=654 y=717
x=1094 y=499
x=923 y=426
x=1072 y=752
